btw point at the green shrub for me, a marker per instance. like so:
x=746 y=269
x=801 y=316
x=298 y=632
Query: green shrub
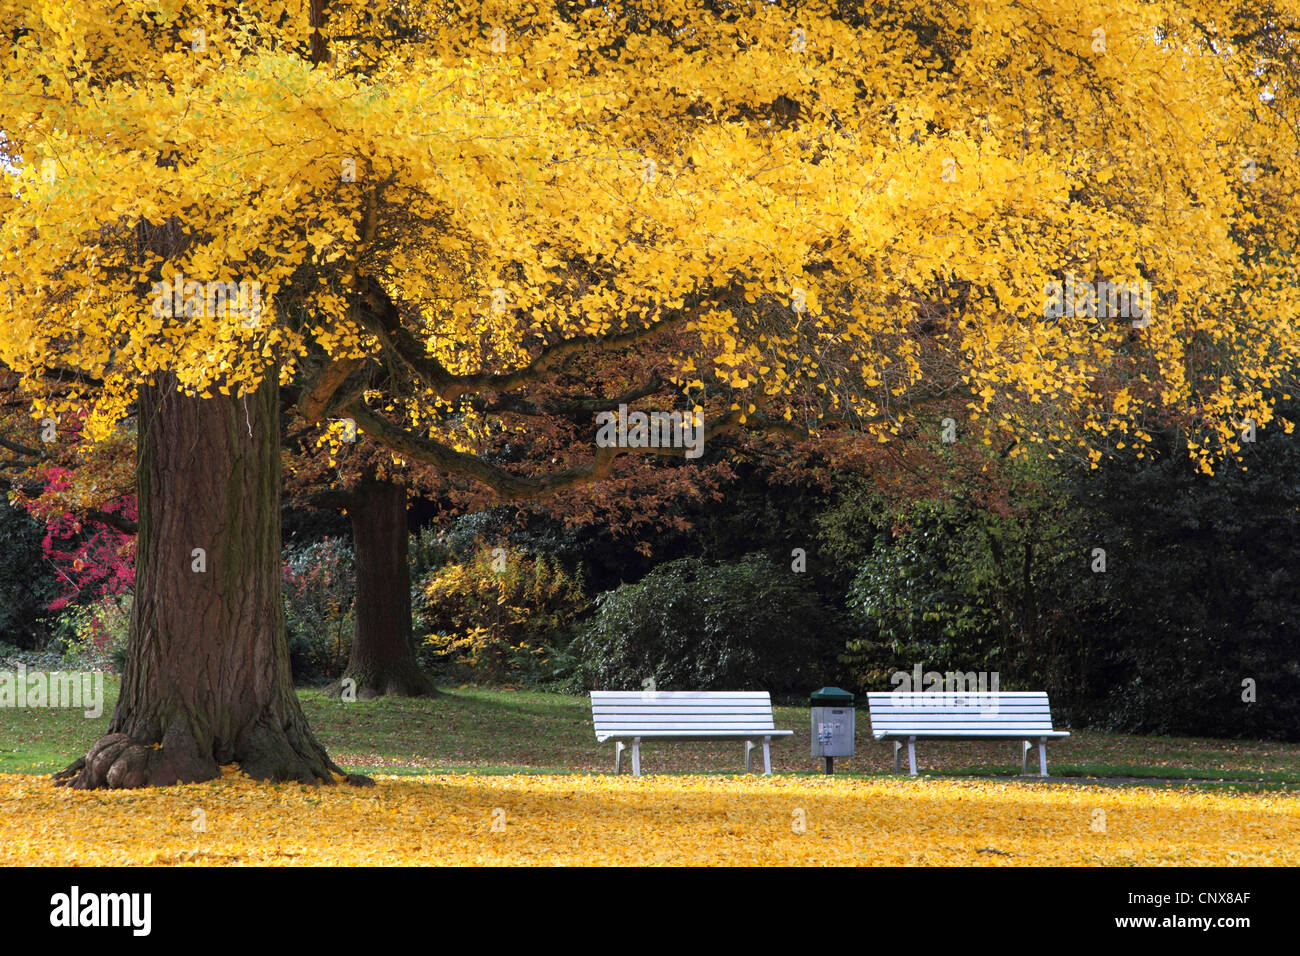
x=427 y=550
x=929 y=595
x=319 y=585
x=976 y=575
x=1194 y=628
x=750 y=624
x=27 y=580
x=95 y=635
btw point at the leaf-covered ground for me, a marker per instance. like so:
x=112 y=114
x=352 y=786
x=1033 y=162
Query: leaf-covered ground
x=678 y=819
x=528 y=762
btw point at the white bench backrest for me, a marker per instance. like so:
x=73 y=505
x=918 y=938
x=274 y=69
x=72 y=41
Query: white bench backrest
x=618 y=713
x=1006 y=711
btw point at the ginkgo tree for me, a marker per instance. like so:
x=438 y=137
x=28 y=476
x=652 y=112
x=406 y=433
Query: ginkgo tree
x=419 y=216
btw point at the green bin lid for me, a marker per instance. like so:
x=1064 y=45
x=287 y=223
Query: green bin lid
x=832 y=696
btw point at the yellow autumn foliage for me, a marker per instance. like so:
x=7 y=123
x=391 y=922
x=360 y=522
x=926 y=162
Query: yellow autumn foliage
x=488 y=617
x=858 y=215
x=656 y=820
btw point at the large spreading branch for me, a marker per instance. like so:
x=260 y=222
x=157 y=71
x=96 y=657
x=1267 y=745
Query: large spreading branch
x=20 y=449
x=380 y=316
x=315 y=398
x=507 y=484
x=570 y=407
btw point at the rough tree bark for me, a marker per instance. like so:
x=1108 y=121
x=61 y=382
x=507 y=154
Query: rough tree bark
x=207 y=679
x=383 y=659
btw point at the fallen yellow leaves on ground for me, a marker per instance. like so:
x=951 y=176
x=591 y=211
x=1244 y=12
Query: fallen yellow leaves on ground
x=557 y=820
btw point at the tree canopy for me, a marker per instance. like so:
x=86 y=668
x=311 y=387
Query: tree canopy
x=793 y=216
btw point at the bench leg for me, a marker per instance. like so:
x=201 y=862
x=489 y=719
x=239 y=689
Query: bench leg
x=767 y=756
x=1042 y=756
x=898 y=752
x=618 y=756
x=911 y=755
x=1025 y=747
x=749 y=745
x=636 y=756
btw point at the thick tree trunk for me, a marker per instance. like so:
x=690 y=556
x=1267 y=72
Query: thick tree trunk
x=207 y=679
x=383 y=659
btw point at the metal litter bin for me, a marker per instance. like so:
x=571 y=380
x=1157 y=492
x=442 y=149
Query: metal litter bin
x=832 y=725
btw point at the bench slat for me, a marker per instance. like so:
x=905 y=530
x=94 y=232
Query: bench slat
x=877 y=694
x=923 y=706
x=675 y=735
x=683 y=701
x=967 y=735
x=937 y=720
x=639 y=708
x=934 y=701
x=689 y=728
x=965 y=729
x=959 y=708
x=684 y=719
x=683 y=725
x=968 y=703
x=958 y=723
x=702 y=695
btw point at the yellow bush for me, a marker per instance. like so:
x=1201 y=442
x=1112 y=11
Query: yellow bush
x=493 y=618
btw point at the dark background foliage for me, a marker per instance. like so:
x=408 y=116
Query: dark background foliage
x=27 y=582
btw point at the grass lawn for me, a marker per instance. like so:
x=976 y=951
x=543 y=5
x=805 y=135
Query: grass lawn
x=482 y=730
x=486 y=776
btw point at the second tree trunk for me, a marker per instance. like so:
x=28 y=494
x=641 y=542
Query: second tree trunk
x=383 y=660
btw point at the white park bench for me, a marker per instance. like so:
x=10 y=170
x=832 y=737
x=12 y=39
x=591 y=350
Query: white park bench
x=1006 y=715
x=636 y=716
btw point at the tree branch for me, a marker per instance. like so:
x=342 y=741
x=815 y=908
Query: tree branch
x=316 y=396
x=20 y=449
x=380 y=316
x=123 y=524
x=506 y=484
x=333 y=499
